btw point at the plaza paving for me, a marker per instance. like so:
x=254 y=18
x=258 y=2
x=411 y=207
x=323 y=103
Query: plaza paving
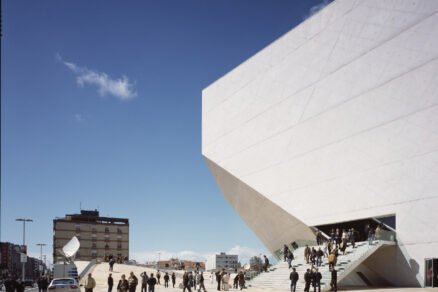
x=100 y=274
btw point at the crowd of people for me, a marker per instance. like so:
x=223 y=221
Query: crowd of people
x=12 y=285
x=190 y=281
x=223 y=280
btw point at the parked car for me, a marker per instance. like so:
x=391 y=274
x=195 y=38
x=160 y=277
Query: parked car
x=64 y=285
x=29 y=283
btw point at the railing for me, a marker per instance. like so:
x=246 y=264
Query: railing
x=279 y=254
x=385 y=235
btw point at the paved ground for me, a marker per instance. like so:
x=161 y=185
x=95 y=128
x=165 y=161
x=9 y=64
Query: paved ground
x=100 y=273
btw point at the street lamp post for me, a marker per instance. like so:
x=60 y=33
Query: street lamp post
x=41 y=257
x=24 y=220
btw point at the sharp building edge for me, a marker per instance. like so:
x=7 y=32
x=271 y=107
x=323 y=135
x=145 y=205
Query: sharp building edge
x=335 y=121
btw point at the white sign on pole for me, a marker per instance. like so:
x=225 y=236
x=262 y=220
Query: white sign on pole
x=23 y=258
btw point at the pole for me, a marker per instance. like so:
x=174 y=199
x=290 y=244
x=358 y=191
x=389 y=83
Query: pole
x=41 y=258
x=24 y=220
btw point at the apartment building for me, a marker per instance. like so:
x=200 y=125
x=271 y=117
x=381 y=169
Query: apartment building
x=99 y=236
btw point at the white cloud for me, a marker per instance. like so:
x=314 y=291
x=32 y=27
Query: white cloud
x=79 y=117
x=120 y=88
x=244 y=253
x=315 y=9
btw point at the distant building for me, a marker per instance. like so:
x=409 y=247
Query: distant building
x=222 y=261
x=175 y=264
x=10 y=262
x=99 y=236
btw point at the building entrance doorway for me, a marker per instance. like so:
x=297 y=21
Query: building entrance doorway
x=431 y=273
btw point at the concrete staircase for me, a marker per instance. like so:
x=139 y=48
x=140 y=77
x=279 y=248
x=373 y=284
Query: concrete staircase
x=277 y=278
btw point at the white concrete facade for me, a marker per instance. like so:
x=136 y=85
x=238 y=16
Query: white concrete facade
x=335 y=121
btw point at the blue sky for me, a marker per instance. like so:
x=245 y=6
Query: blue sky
x=101 y=105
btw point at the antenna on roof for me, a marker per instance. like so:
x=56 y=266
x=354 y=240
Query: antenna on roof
x=80 y=206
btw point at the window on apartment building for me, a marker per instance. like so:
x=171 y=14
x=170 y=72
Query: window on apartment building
x=106 y=237
x=119 y=254
x=119 y=245
x=93 y=237
x=94 y=229
x=94 y=253
x=107 y=229
x=107 y=245
x=78 y=236
x=94 y=245
x=119 y=230
x=78 y=227
x=119 y=237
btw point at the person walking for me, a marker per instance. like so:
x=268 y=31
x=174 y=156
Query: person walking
x=186 y=282
x=212 y=277
x=158 y=277
x=89 y=284
x=123 y=285
x=317 y=280
x=332 y=260
x=110 y=282
x=166 y=280
x=241 y=280
x=111 y=264
x=39 y=283
x=44 y=284
x=370 y=236
x=173 y=279
x=319 y=255
x=313 y=256
x=201 y=282
x=225 y=280
x=307 y=280
x=290 y=257
x=144 y=281
x=266 y=264
x=151 y=283
x=20 y=286
x=191 y=280
x=10 y=284
x=293 y=280
x=307 y=254
x=285 y=252
x=218 y=279
x=353 y=237
x=133 y=282
x=334 y=280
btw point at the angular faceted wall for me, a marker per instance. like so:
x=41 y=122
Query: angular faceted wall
x=335 y=121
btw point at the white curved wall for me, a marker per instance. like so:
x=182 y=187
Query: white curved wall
x=339 y=116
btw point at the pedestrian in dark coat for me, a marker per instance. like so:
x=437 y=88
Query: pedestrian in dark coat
x=186 y=283
x=218 y=279
x=293 y=280
x=173 y=280
x=44 y=284
x=20 y=286
x=110 y=282
x=151 y=283
x=334 y=280
x=317 y=280
x=307 y=280
x=10 y=284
